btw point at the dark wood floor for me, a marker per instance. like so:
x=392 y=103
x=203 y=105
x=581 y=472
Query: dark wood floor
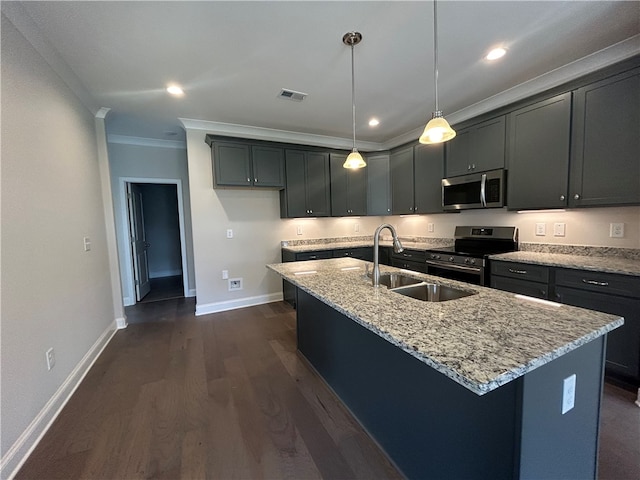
x=164 y=288
x=226 y=396
x=219 y=396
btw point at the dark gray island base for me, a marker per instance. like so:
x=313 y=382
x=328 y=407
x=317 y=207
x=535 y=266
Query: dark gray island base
x=434 y=428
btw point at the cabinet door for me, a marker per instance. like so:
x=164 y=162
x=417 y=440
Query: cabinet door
x=458 y=154
x=623 y=344
x=348 y=188
x=428 y=163
x=522 y=287
x=378 y=185
x=318 y=184
x=268 y=166
x=539 y=154
x=296 y=192
x=402 y=200
x=231 y=164
x=488 y=145
x=605 y=163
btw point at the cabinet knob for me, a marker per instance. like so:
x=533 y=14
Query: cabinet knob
x=473 y=166
x=248 y=180
x=468 y=167
x=576 y=196
x=255 y=180
x=562 y=198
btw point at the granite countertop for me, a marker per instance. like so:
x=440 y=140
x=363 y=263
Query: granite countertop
x=329 y=244
x=624 y=266
x=481 y=341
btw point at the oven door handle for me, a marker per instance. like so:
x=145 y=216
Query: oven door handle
x=483 y=190
x=450 y=266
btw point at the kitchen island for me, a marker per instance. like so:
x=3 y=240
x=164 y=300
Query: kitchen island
x=466 y=388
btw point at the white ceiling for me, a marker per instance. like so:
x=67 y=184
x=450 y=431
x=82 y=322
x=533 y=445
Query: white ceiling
x=232 y=58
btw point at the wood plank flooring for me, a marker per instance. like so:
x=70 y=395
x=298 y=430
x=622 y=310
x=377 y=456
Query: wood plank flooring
x=226 y=396
x=221 y=396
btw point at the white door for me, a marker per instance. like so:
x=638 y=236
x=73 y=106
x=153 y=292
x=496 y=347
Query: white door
x=139 y=243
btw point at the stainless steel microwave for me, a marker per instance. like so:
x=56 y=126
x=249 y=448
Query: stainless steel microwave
x=477 y=190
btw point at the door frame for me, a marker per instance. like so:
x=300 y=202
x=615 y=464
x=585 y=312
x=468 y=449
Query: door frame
x=129 y=292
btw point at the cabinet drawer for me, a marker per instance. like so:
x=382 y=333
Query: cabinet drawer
x=410 y=255
x=365 y=253
x=320 y=254
x=599 y=282
x=409 y=265
x=523 y=287
x=533 y=273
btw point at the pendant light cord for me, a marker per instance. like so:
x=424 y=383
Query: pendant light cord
x=353 y=97
x=435 y=50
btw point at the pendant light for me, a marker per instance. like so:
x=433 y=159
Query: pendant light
x=438 y=129
x=354 y=160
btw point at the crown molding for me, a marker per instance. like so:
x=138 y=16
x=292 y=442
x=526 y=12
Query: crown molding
x=274 y=135
x=20 y=19
x=146 y=142
x=102 y=113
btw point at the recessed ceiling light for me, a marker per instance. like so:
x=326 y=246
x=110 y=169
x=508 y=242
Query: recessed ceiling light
x=374 y=122
x=175 y=90
x=496 y=53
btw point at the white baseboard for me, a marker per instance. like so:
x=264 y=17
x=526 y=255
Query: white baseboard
x=128 y=301
x=121 y=323
x=191 y=292
x=165 y=273
x=239 y=303
x=15 y=457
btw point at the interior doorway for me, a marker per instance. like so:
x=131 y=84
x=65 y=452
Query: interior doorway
x=155 y=256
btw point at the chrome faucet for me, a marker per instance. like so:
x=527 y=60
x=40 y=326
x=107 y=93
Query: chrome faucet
x=397 y=247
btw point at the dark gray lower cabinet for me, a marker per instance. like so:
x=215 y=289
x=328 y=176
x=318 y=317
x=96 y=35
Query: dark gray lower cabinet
x=604 y=292
x=432 y=427
x=361 y=253
x=409 y=260
x=609 y=293
x=288 y=289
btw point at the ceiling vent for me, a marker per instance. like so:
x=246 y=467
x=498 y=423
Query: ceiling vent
x=292 y=95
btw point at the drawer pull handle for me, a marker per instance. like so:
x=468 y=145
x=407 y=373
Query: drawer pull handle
x=519 y=272
x=594 y=282
x=313 y=257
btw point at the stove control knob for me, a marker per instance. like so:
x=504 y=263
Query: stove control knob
x=473 y=261
x=466 y=260
x=435 y=257
x=451 y=259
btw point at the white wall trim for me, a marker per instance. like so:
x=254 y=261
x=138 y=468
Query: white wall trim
x=274 y=135
x=192 y=292
x=121 y=323
x=239 y=303
x=15 y=457
x=129 y=294
x=146 y=142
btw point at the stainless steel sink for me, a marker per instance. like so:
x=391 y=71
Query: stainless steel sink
x=432 y=292
x=395 y=280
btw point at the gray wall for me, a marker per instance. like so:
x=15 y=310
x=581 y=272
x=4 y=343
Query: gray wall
x=54 y=294
x=148 y=162
x=162 y=230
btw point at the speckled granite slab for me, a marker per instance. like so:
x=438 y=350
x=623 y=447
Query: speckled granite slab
x=612 y=264
x=481 y=341
x=313 y=245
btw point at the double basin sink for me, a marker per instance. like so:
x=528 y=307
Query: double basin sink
x=420 y=290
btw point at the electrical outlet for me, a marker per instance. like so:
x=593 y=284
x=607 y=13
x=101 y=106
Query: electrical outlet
x=235 y=284
x=541 y=229
x=568 y=393
x=229 y=233
x=559 y=229
x=225 y=274
x=356 y=227
x=51 y=358
x=616 y=230
x=299 y=229
x=430 y=227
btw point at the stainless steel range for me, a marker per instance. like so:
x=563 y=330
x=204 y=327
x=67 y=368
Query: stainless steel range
x=468 y=259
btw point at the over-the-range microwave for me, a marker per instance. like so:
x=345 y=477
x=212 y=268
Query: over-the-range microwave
x=476 y=190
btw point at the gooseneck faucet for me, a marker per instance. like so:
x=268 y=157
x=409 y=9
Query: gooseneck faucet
x=397 y=247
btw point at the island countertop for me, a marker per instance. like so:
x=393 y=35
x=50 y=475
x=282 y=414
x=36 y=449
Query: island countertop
x=481 y=341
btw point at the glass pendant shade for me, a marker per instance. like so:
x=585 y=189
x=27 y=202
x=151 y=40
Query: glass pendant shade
x=354 y=160
x=437 y=130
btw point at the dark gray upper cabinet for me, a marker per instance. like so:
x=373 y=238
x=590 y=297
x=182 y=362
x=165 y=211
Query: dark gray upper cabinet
x=477 y=148
x=378 y=185
x=307 y=191
x=605 y=159
x=538 y=154
x=348 y=188
x=428 y=168
x=242 y=164
x=401 y=164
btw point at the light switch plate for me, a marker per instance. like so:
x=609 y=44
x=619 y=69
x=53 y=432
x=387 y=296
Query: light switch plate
x=559 y=229
x=430 y=227
x=541 y=229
